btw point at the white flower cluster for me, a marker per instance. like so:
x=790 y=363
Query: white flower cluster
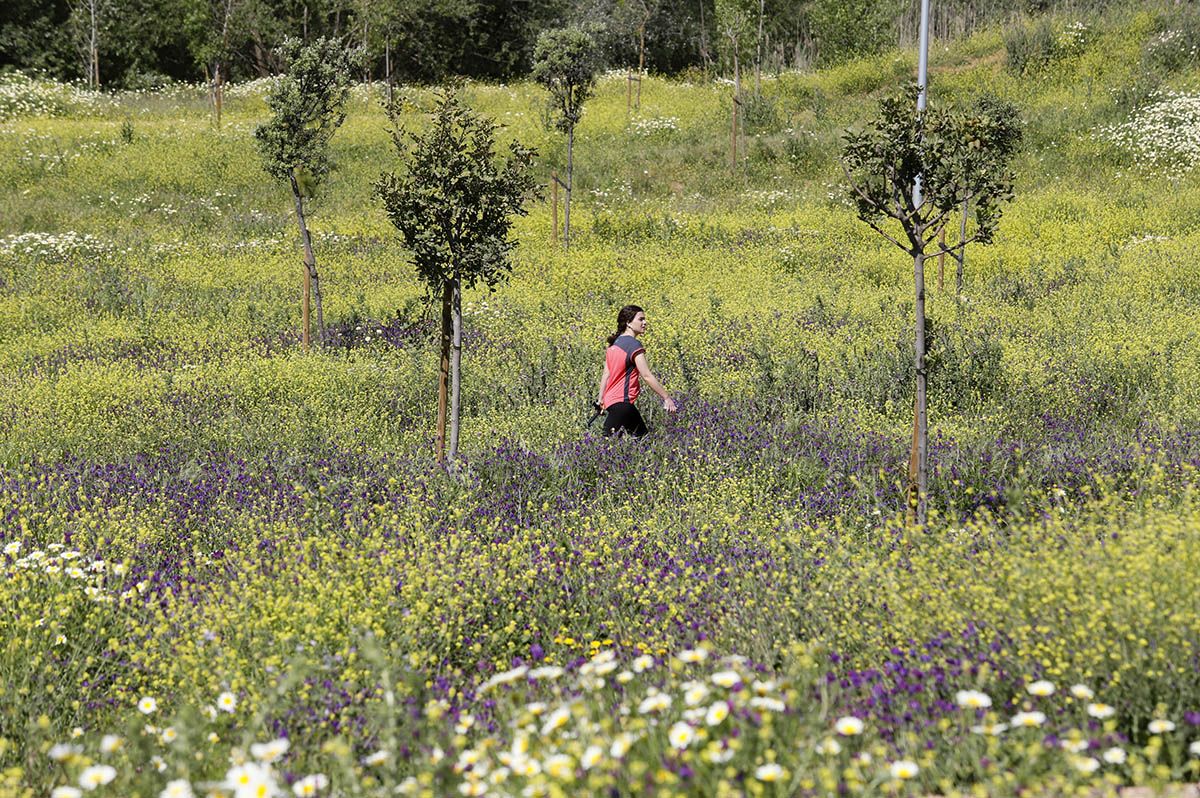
x=21 y=95
x=655 y=126
x=43 y=246
x=1073 y=39
x=1163 y=136
x=1172 y=45
x=60 y=563
x=48 y=153
x=250 y=88
x=769 y=198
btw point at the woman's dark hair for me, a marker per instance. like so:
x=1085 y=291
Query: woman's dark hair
x=625 y=316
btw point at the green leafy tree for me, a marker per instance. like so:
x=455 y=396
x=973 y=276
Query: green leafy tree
x=565 y=62
x=956 y=158
x=848 y=28
x=213 y=26
x=307 y=106
x=454 y=205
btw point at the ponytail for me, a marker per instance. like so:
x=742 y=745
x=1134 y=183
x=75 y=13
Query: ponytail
x=625 y=316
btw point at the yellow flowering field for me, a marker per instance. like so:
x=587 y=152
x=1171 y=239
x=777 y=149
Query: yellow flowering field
x=232 y=567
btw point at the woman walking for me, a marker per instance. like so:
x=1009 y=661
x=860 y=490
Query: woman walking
x=625 y=368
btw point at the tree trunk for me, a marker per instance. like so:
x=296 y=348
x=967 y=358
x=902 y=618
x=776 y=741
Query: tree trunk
x=444 y=370
x=366 y=59
x=570 y=182
x=737 y=99
x=455 y=366
x=642 y=54
x=94 y=44
x=387 y=68
x=961 y=256
x=704 y=56
x=217 y=91
x=762 y=10
x=922 y=433
x=310 y=260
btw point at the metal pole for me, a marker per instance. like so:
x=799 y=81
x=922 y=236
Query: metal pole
x=922 y=83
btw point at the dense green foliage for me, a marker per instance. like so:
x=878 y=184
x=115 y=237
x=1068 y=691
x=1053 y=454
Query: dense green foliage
x=143 y=43
x=197 y=511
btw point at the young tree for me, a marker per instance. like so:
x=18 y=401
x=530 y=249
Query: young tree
x=734 y=23
x=565 y=62
x=87 y=19
x=454 y=206
x=306 y=105
x=212 y=25
x=962 y=157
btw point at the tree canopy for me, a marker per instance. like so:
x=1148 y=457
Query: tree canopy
x=959 y=154
x=454 y=204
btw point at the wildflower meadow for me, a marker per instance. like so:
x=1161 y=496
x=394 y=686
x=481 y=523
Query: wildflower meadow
x=230 y=565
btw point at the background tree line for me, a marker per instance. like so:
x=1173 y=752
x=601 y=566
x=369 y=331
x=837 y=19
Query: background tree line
x=142 y=43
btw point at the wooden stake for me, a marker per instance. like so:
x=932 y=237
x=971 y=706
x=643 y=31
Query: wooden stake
x=305 y=324
x=912 y=494
x=733 y=136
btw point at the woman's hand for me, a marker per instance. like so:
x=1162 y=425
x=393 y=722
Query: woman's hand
x=669 y=405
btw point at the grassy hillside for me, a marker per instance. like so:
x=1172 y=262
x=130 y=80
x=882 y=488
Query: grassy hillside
x=269 y=522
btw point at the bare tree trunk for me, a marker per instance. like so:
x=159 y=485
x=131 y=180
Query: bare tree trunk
x=366 y=59
x=218 y=72
x=455 y=366
x=444 y=370
x=960 y=257
x=218 y=91
x=704 y=55
x=922 y=482
x=762 y=10
x=310 y=260
x=570 y=183
x=387 y=67
x=306 y=310
x=737 y=100
x=94 y=44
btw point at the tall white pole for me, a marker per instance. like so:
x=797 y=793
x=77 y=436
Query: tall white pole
x=922 y=83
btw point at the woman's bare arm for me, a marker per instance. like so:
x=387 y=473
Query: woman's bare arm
x=603 y=383
x=652 y=382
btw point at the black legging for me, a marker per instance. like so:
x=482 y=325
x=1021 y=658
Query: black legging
x=624 y=417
